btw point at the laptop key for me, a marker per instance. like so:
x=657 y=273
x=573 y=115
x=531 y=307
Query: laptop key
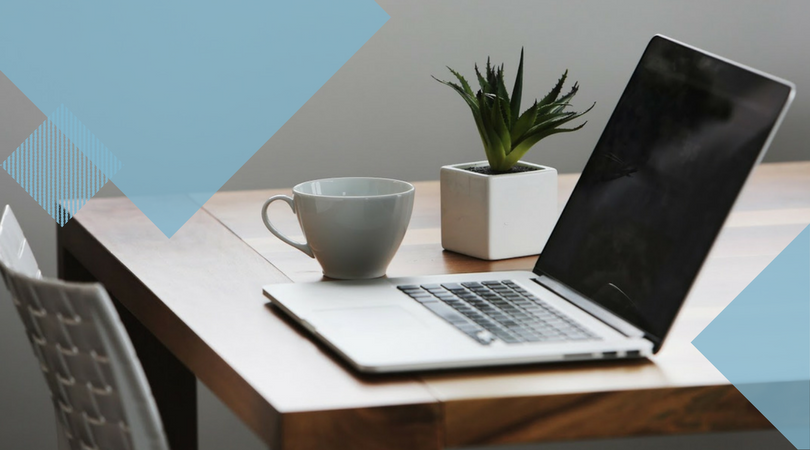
x=580 y=337
x=506 y=336
x=510 y=339
x=445 y=312
x=484 y=337
x=532 y=337
x=408 y=287
x=485 y=322
x=476 y=332
x=468 y=327
x=416 y=293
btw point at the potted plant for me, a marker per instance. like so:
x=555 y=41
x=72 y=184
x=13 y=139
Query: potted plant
x=504 y=207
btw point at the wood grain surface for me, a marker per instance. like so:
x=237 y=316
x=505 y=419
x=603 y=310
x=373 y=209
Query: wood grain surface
x=200 y=294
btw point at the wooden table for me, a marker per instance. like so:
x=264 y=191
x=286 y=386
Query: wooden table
x=194 y=307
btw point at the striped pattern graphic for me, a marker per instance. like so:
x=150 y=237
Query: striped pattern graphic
x=62 y=165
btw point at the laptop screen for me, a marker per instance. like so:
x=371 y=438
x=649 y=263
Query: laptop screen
x=674 y=155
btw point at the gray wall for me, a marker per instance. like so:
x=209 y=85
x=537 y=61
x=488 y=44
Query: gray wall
x=383 y=115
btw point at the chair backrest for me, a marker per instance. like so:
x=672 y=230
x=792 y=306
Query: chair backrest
x=15 y=252
x=99 y=391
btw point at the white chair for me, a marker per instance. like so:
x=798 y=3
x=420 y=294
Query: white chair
x=99 y=391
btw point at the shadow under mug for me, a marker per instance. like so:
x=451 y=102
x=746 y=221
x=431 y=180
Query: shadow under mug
x=352 y=226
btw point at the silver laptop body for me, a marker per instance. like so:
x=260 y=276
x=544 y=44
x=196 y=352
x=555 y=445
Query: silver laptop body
x=585 y=299
x=378 y=328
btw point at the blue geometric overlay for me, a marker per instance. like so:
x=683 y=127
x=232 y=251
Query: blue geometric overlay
x=182 y=92
x=62 y=165
x=87 y=142
x=761 y=342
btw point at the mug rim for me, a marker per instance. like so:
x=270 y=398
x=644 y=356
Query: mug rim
x=409 y=189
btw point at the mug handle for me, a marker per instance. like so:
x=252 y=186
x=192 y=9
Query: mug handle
x=304 y=247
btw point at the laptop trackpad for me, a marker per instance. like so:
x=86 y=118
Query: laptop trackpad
x=366 y=319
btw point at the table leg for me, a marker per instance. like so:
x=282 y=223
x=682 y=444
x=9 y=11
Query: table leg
x=174 y=386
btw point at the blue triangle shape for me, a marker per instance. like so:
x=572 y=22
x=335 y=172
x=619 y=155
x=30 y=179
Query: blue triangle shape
x=761 y=342
x=186 y=104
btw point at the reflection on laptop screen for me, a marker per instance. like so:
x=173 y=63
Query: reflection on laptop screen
x=663 y=177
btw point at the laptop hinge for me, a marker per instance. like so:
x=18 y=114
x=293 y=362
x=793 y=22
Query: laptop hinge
x=583 y=303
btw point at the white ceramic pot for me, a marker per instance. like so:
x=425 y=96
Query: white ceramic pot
x=497 y=216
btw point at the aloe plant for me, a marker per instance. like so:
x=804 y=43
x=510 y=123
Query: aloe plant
x=506 y=134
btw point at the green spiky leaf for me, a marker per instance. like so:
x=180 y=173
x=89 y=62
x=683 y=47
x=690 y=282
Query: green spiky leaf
x=517 y=90
x=468 y=98
x=567 y=97
x=463 y=82
x=482 y=82
x=524 y=122
x=491 y=78
x=522 y=148
x=503 y=96
x=505 y=133
x=549 y=111
x=501 y=126
x=555 y=91
x=553 y=122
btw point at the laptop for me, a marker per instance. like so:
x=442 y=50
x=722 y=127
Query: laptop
x=671 y=161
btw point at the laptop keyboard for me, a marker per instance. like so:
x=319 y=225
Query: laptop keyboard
x=493 y=310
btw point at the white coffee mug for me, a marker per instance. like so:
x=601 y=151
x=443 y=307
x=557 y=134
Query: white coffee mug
x=352 y=226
